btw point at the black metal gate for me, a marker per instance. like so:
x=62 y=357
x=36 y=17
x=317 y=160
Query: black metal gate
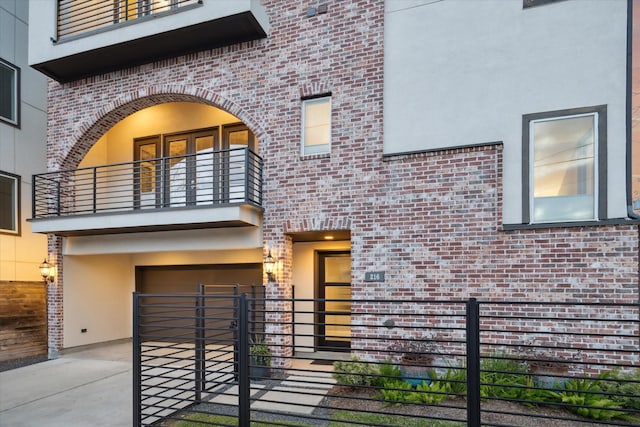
x=188 y=346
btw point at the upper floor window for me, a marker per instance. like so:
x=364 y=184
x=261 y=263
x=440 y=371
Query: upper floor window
x=564 y=164
x=9 y=203
x=9 y=93
x=316 y=125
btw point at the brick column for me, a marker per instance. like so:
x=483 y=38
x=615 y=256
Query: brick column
x=55 y=303
x=279 y=307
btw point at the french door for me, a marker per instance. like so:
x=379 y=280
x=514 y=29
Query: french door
x=190 y=167
x=333 y=306
x=193 y=167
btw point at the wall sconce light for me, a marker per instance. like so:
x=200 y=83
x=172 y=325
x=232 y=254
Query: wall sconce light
x=47 y=271
x=269 y=264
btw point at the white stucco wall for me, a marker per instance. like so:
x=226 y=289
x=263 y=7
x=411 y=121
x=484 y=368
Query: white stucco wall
x=304 y=282
x=22 y=150
x=97 y=296
x=461 y=72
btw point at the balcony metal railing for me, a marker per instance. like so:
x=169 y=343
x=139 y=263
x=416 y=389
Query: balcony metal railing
x=208 y=178
x=77 y=17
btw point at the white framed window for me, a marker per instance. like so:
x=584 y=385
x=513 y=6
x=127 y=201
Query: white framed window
x=9 y=93
x=316 y=125
x=564 y=165
x=9 y=203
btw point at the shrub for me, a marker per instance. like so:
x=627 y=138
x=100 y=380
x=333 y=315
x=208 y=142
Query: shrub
x=259 y=351
x=503 y=376
x=354 y=372
x=396 y=391
x=387 y=372
x=583 y=397
x=456 y=380
x=624 y=388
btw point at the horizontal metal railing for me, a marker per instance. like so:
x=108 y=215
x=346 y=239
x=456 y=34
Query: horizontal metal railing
x=205 y=179
x=76 y=17
x=409 y=363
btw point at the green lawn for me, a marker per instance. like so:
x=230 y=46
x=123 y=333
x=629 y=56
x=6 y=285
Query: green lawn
x=340 y=419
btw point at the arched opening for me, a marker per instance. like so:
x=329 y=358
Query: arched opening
x=181 y=154
x=164 y=120
x=165 y=182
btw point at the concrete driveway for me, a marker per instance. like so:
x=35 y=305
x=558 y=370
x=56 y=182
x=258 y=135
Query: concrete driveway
x=90 y=387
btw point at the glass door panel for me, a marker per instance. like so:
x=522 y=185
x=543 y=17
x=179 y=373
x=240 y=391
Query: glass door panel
x=146 y=173
x=337 y=300
x=235 y=137
x=333 y=309
x=204 y=173
x=179 y=180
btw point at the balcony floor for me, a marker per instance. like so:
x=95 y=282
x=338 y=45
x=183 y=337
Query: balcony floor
x=185 y=218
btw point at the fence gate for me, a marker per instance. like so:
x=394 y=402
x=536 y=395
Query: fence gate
x=185 y=348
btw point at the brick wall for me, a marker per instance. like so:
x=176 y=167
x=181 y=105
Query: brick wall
x=432 y=221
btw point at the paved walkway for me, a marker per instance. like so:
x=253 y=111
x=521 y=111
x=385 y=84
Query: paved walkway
x=85 y=388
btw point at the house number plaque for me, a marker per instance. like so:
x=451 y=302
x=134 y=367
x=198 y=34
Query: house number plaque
x=374 y=276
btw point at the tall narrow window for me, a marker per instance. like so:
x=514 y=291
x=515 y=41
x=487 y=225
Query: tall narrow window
x=564 y=156
x=316 y=125
x=9 y=93
x=9 y=203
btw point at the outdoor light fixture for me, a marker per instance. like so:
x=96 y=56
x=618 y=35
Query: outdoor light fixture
x=47 y=271
x=269 y=264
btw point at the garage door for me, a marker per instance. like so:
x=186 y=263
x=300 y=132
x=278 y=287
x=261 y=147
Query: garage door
x=185 y=278
x=219 y=279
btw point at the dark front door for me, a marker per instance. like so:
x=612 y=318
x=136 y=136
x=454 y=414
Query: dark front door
x=333 y=307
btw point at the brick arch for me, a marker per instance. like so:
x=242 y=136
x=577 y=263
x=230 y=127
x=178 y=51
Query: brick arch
x=100 y=121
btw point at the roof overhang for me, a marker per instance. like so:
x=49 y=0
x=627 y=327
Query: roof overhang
x=206 y=35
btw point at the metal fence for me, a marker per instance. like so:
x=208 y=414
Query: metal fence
x=79 y=17
x=208 y=178
x=240 y=360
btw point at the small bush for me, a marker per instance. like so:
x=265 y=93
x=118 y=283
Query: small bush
x=624 y=388
x=504 y=377
x=354 y=372
x=396 y=391
x=388 y=372
x=430 y=393
x=585 y=399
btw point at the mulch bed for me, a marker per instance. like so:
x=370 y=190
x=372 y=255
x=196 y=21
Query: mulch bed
x=493 y=411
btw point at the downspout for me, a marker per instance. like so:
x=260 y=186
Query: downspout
x=629 y=122
x=629 y=119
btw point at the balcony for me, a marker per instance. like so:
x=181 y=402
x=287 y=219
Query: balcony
x=210 y=189
x=71 y=39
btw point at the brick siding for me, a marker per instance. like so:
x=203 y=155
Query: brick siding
x=431 y=221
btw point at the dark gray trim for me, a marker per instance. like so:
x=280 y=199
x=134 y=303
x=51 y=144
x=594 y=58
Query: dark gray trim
x=629 y=113
x=320 y=95
x=526 y=173
x=603 y=171
x=389 y=156
x=526 y=4
x=576 y=224
x=602 y=155
x=18 y=103
x=18 y=207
